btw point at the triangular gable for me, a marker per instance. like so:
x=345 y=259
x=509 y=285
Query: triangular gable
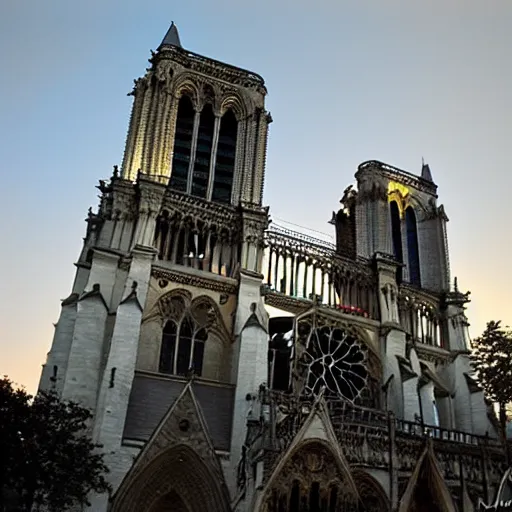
x=183 y=424
x=437 y=484
x=317 y=427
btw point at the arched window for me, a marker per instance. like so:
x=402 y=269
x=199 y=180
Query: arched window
x=182 y=348
x=182 y=144
x=201 y=172
x=396 y=233
x=225 y=161
x=412 y=247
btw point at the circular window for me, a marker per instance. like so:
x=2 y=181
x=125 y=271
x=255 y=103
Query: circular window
x=336 y=363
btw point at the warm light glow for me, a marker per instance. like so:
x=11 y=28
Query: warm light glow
x=402 y=190
x=400 y=194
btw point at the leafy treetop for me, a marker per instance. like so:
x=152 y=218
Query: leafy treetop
x=48 y=459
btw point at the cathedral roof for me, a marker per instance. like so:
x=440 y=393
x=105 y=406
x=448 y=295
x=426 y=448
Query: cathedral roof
x=172 y=38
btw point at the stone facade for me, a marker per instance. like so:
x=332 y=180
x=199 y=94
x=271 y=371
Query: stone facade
x=233 y=365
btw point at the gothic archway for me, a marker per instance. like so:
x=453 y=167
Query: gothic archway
x=312 y=479
x=177 y=480
x=372 y=495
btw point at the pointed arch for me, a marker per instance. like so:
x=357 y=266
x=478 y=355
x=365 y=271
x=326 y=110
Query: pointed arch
x=183 y=134
x=314 y=475
x=225 y=158
x=178 y=470
x=412 y=246
x=373 y=496
x=189 y=327
x=236 y=104
x=185 y=84
x=426 y=487
x=203 y=154
x=396 y=235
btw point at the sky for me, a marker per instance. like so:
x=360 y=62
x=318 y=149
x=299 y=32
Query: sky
x=348 y=81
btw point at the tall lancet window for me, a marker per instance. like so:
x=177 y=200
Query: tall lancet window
x=412 y=247
x=225 y=162
x=201 y=171
x=396 y=233
x=182 y=144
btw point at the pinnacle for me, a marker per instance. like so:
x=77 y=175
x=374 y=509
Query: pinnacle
x=172 y=38
x=425 y=171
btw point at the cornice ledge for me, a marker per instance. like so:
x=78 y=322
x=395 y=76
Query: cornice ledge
x=208 y=280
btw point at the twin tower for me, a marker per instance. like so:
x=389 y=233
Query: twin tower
x=165 y=336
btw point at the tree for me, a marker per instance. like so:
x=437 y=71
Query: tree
x=47 y=458
x=492 y=359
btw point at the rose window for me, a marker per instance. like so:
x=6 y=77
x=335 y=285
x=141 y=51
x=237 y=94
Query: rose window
x=335 y=362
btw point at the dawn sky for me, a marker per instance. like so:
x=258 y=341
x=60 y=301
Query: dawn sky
x=348 y=81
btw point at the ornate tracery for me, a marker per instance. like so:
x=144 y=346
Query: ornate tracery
x=311 y=480
x=185 y=333
x=331 y=357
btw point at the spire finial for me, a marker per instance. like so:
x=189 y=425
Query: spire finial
x=172 y=38
x=425 y=171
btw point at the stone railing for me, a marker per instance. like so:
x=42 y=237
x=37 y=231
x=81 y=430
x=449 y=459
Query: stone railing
x=420 y=316
x=302 y=268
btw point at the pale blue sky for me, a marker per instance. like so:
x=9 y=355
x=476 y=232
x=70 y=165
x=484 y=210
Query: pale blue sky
x=348 y=81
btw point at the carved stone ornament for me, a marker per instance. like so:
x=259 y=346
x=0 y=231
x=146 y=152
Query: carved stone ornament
x=226 y=285
x=330 y=358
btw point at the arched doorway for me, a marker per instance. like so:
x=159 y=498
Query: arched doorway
x=177 y=480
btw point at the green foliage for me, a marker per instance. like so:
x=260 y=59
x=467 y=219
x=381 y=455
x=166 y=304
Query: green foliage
x=47 y=458
x=492 y=359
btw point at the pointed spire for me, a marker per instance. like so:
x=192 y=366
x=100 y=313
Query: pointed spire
x=425 y=171
x=172 y=38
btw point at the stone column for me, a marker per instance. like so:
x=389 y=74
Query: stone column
x=213 y=157
x=193 y=148
x=150 y=202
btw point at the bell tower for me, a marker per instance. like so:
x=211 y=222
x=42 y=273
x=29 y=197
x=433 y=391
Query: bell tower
x=166 y=302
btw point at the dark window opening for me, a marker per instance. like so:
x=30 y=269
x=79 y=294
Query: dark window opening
x=201 y=172
x=412 y=246
x=396 y=232
x=280 y=350
x=314 y=497
x=295 y=497
x=182 y=144
x=168 y=348
x=182 y=348
x=225 y=160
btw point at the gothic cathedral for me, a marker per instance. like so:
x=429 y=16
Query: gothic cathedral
x=235 y=365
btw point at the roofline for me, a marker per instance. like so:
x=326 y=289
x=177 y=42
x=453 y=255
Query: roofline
x=196 y=56
x=389 y=171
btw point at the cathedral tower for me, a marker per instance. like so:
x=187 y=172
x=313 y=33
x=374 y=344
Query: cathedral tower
x=168 y=280
x=358 y=394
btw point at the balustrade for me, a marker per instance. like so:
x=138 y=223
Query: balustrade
x=196 y=244
x=343 y=414
x=420 y=317
x=302 y=267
